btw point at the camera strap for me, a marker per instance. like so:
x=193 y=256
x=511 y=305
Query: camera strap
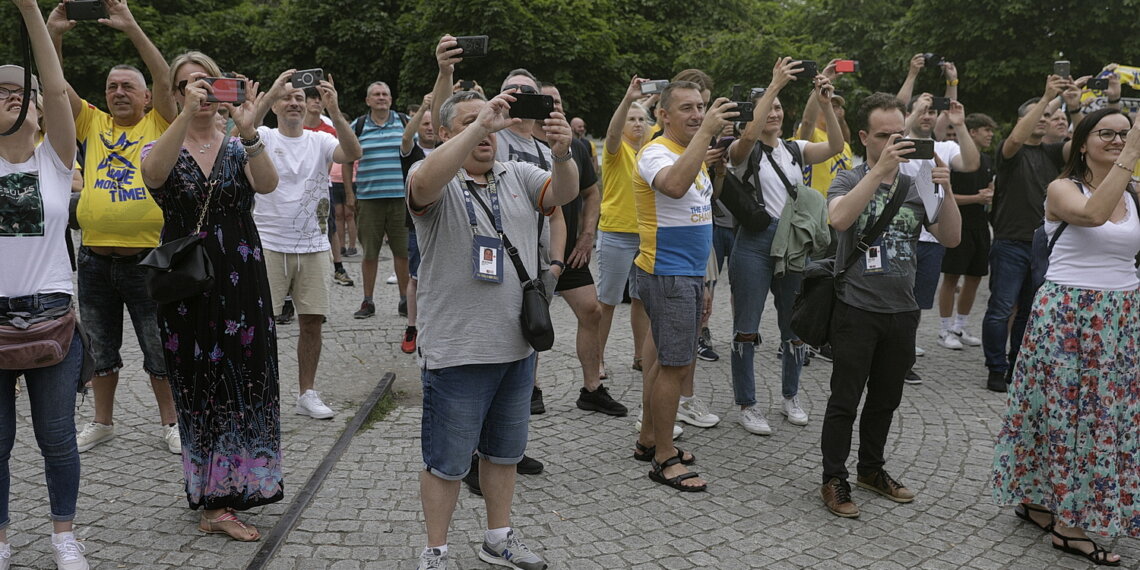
x=791 y=188
x=26 y=49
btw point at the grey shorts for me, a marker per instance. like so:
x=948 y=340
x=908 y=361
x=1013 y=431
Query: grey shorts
x=674 y=304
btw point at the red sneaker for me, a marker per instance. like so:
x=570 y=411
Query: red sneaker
x=408 y=346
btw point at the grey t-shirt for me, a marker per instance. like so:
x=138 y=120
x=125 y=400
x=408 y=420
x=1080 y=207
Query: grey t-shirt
x=891 y=291
x=463 y=320
x=511 y=147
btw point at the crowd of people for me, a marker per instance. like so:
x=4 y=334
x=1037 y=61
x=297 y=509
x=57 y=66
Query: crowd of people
x=486 y=214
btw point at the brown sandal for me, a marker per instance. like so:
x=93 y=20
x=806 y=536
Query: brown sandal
x=228 y=523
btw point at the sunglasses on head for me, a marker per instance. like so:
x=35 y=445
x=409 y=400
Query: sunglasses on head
x=520 y=88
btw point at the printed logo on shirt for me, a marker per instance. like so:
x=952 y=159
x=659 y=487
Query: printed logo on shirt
x=116 y=173
x=516 y=154
x=21 y=205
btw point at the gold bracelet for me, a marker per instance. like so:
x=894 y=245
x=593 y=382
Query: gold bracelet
x=1122 y=167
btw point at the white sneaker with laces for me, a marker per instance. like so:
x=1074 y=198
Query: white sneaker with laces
x=677 y=430
x=432 y=559
x=392 y=279
x=310 y=404
x=172 y=438
x=754 y=421
x=93 y=434
x=68 y=552
x=795 y=414
x=5 y=555
x=966 y=338
x=947 y=339
x=918 y=351
x=696 y=413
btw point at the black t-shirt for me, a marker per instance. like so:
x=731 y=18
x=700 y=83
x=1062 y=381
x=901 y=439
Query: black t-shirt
x=586 y=178
x=1019 y=193
x=968 y=184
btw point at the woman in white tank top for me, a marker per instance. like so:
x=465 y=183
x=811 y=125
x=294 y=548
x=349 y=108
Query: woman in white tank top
x=1068 y=454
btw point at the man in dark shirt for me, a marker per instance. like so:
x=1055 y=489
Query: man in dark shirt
x=1025 y=166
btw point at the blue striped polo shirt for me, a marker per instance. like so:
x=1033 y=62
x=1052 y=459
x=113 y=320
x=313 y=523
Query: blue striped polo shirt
x=380 y=175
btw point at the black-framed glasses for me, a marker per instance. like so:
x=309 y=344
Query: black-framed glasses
x=6 y=93
x=520 y=88
x=1108 y=135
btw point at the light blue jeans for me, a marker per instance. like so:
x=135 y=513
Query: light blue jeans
x=750 y=271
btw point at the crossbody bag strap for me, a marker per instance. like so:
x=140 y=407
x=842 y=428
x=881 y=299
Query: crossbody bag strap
x=791 y=188
x=211 y=183
x=512 y=251
x=880 y=225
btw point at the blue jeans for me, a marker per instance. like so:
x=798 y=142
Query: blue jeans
x=1010 y=284
x=51 y=395
x=750 y=272
x=723 y=238
x=106 y=283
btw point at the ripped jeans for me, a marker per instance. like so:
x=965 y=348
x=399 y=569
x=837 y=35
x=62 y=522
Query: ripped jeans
x=750 y=272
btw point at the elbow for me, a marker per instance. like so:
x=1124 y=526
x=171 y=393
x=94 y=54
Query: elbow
x=840 y=223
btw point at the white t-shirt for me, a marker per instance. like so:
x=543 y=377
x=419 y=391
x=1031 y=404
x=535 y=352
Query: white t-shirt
x=34 y=198
x=775 y=193
x=947 y=151
x=293 y=218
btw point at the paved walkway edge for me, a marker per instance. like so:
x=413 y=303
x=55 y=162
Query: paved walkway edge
x=284 y=526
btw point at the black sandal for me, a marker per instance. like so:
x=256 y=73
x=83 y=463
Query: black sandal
x=1022 y=511
x=1098 y=556
x=657 y=475
x=644 y=453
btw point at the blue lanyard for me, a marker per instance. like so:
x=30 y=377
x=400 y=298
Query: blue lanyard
x=496 y=216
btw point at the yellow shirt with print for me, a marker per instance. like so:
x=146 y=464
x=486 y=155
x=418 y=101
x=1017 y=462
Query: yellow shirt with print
x=619 y=211
x=116 y=209
x=819 y=176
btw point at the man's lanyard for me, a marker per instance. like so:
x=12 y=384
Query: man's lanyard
x=496 y=218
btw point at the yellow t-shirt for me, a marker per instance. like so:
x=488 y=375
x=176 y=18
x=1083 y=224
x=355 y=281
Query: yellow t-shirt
x=116 y=209
x=819 y=176
x=619 y=212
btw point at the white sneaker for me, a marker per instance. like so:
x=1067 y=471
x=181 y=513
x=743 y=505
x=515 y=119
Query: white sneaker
x=392 y=279
x=754 y=422
x=696 y=413
x=947 y=339
x=966 y=338
x=432 y=559
x=677 y=430
x=68 y=552
x=172 y=438
x=795 y=414
x=918 y=351
x=93 y=434
x=5 y=555
x=310 y=404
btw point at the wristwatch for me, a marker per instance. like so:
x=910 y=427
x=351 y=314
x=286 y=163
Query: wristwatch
x=559 y=264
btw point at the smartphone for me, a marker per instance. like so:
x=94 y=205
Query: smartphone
x=532 y=106
x=747 y=111
x=1061 y=68
x=226 y=90
x=940 y=104
x=1098 y=83
x=473 y=46
x=85 y=9
x=810 y=69
x=467 y=84
x=923 y=149
x=847 y=66
x=931 y=59
x=307 y=78
x=723 y=143
x=654 y=87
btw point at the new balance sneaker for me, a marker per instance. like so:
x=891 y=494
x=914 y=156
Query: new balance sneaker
x=367 y=309
x=432 y=559
x=754 y=421
x=512 y=552
x=600 y=401
x=836 y=495
x=310 y=404
x=966 y=338
x=93 y=434
x=696 y=413
x=392 y=279
x=792 y=410
x=341 y=278
x=677 y=430
x=172 y=438
x=886 y=486
x=912 y=377
x=68 y=552
x=408 y=345
x=536 y=405
x=947 y=339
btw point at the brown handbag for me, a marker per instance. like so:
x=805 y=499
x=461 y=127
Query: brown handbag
x=38 y=345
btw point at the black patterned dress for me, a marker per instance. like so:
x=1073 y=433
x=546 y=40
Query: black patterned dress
x=221 y=346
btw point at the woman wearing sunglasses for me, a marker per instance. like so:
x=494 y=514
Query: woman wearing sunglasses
x=1068 y=454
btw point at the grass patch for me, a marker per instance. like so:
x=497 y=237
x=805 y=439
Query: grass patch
x=383 y=407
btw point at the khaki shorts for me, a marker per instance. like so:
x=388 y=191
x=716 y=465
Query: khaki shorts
x=304 y=276
x=378 y=217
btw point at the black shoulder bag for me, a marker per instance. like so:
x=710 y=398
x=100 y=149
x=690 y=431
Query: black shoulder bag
x=746 y=203
x=180 y=268
x=537 y=328
x=811 y=312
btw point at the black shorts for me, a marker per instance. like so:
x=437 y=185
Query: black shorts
x=972 y=255
x=573 y=278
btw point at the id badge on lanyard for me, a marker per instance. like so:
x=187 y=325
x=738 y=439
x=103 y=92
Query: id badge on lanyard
x=486 y=251
x=877 y=258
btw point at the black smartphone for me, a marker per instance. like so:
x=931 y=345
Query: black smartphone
x=746 y=110
x=810 y=70
x=1098 y=83
x=723 y=143
x=940 y=104
x=931 y=59
x=654 y=87
x=532 y=106
x=226 y=90
x=466 y=84
x=923 y=149
x=307 y=78
x=85 y=9
x=1062 y=68
x=473 y=46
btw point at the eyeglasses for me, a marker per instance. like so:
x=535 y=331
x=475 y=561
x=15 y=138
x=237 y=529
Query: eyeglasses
x=6 y=93
x=521 y=89
x=1108 y=135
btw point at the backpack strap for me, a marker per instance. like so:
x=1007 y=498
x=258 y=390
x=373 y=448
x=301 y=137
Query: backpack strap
x=358 y=125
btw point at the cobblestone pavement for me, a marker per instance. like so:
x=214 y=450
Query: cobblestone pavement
x=593 y=507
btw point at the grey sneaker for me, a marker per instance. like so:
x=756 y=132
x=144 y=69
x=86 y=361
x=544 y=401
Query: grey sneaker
x=432 y=559
x=511 y=553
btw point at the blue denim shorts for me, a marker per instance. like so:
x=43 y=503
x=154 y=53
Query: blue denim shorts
x=616 y=252
x=674 y=304
x=107 y=283
x=475 y=407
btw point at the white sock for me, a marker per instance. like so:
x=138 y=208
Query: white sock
x=685 y=399
x=441 y=549
x=960 y=321
x=62 y=537
x=947 y=322
x=496 y=535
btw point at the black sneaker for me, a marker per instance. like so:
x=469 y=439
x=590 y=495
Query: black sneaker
x=287 y=313
x=823 y=353
x=472 y=477
x=600 y=401
x=529 y=466
x=536 y=405
x=402 y=307
x=997 y=382
x=705 y=352
x=367 y=309
x=912 y=377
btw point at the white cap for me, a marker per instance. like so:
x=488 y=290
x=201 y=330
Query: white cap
x=14 y=75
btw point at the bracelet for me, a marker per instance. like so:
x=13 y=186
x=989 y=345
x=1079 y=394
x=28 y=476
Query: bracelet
x=952 y=82
x=564 y=158
x=559 y=264
x=250 y=142
x=1113 y=102
x=253 y=150
x=1121 y=166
